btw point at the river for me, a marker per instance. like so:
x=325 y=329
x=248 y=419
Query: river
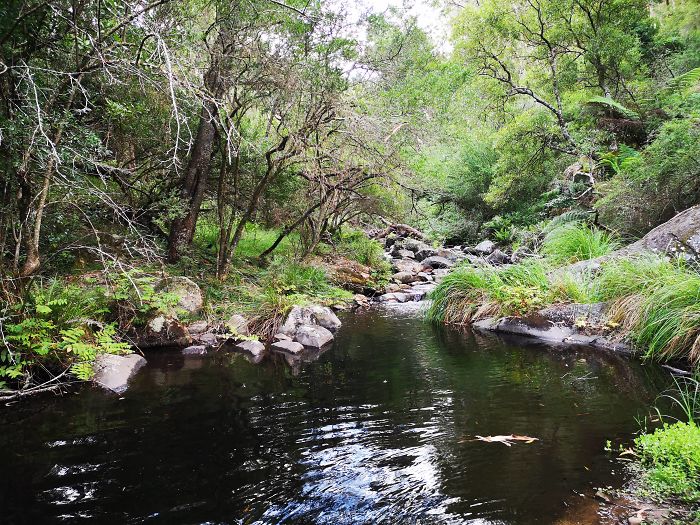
x=381 y=428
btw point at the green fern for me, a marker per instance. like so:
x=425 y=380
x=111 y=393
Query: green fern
x=684 y=82
x=609 y=103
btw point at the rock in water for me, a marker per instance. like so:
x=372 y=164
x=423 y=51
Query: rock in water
x=114 y=371
x=313 y=336
x=310 y=315
x=287 y=347
x=254 y=348
x=195 y=350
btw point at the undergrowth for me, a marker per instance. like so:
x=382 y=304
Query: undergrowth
x=576 y=241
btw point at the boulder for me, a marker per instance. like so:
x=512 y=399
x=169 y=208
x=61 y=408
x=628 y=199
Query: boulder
x=198 y=327
x=405 y=277
x=391 y=288
x=238 y=324
x=451 y=255
x=485 y=248
x=388 y=298
x=425 y=277
x=287 y=347
x=195 y=350
x=403 y=265
x=412 y=244
x=114 y=371
x=207 y=338
x=313 y=336
x=498 y=258
x=255 y=348
x=161 y=331
x=437 y=262
x=425 y=253
x=281 y=337
x=310 y=315
x=406 y=254
x=520 y=254
x=190 y=298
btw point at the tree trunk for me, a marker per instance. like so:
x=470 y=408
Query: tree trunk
x=195 y=181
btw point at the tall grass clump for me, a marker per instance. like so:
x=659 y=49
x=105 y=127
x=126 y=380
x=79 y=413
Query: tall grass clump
x=576 y=241
x=355 y=245
x=657 y=302
x=469 y=294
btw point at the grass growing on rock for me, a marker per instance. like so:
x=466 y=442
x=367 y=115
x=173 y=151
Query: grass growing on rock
x=654 y=301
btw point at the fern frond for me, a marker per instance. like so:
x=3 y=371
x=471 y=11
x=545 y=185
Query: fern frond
x=609 y=103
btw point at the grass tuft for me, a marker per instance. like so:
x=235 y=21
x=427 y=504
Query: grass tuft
x=576 y=241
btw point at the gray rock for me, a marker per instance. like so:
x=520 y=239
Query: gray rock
x=425 y=253
x=405 y=277
x=207 y=338
x=198 y=327
x=403 y=265
x=310 y=315
x=425 y=277
x=391 y=288
x=189 y=295
x=114 y=371
x=287 y=347
x=437 y=262
x=406 y=254
x=388 y=297
x=281 y=337
x=162 y=330
x=313 y=336
x=413 y=245
x=238 y=324
x=451 y=255
x=498 y=258
x=195 y=350
x=485 y=247
x=520 y=254
x=254 y=348
x=546 y=331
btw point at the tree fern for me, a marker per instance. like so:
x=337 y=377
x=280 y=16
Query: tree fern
x=684 y=82
x=608 y=103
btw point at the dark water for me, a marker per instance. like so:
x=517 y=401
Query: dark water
x=378 y=429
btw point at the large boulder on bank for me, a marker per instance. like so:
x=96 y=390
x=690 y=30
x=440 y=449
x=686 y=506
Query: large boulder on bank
x=190 y=298
x=114 y=371
x=313 y=336
x=677 y=237
x=310 y=315
x=437 y=262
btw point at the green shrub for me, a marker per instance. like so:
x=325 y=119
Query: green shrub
x=577 y=241
x=59 y=328
x=671 y=459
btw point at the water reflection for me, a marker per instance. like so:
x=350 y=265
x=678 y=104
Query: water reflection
x=378 y=429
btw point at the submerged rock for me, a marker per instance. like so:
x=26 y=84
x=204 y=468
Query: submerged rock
x=114 y=371
x=313 y=336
